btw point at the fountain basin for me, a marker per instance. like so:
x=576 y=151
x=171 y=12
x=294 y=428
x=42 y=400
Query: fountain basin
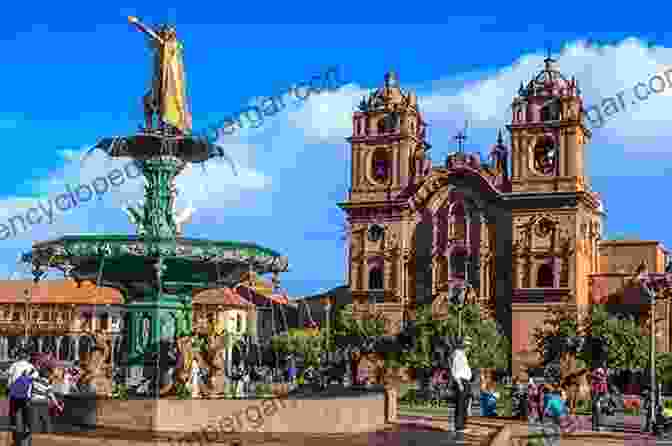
x=130 y=260
x=351 y=413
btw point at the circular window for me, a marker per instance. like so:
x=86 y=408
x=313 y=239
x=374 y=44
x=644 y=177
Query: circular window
x=376 y=233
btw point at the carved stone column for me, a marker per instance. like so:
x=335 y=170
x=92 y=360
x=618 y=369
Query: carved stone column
x=75 y=347
x=557 y=271
x=356 y=276
x=58 y=340
x=484 y=251
x=452 y=232
x=113 y=348
x=435 y=274
x=436 y=234
x=521 y=273
x=467 y=230
x=40 y=343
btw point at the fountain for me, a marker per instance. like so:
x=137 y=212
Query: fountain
x=157 y=272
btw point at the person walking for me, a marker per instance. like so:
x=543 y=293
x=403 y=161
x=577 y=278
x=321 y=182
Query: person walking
x=43 y=399
x=461 y=374
x=534 y=403
x=21 y=375
x=599 y=390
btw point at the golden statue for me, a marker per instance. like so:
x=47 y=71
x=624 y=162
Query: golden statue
x=167 y=98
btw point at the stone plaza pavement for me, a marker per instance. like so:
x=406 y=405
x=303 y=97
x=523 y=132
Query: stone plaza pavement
x=406 y=431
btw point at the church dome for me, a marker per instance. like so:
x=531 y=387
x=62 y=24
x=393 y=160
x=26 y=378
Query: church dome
x=389 y=96
x=549 y=82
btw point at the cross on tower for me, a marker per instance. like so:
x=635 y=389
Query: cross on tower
x=461 y=137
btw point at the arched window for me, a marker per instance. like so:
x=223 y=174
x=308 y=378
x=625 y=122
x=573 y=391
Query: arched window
x=376 y=278
x=545 y=276
x=550 y=112
x=545 y=156
x=239 y=323
x=380 y=165
x=381 y=126
x=519 y=115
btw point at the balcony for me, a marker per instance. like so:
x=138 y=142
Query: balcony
x=540 y=295
x=42 y=328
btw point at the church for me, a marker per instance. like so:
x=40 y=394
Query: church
x=520 y=231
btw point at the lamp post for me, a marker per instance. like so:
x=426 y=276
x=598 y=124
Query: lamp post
x=327 y=302
x=461 y=296
x=650 y=292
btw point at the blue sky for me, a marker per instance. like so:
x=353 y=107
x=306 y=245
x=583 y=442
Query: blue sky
x=73 y=75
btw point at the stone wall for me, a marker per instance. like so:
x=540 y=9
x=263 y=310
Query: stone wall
x=319 y=415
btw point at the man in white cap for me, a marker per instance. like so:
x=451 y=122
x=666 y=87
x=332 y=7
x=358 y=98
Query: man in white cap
x=461 y=374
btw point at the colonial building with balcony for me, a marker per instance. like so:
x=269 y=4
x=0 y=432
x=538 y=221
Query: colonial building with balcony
x=57 y=315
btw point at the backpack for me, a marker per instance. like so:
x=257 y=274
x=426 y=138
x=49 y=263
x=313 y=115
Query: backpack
x=21 y=389
x=556 y=407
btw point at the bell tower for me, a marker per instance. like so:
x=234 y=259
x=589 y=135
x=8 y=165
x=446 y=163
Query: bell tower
x=389 y=157
x=556 y=218
x=388 y=143
x=548 y=135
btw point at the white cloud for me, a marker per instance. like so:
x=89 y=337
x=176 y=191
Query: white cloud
x=628 y=140
x=327 y=118
x=628 y=144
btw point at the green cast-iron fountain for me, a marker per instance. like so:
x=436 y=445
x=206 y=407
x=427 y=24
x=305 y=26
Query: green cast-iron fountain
x=157 y=271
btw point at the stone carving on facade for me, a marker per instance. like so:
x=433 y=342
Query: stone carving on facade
x=522 y=240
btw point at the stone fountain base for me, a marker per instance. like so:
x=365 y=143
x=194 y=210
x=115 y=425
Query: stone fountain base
x=352 y=412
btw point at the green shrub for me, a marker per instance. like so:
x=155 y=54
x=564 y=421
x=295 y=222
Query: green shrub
x=182 y=391
x=4 y=391
x=410 y=397
x=263 y=390
x=120 y=392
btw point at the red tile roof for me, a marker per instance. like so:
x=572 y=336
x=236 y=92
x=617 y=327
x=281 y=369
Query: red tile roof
x=261 y=299
x=58 y=292
x=221 y=296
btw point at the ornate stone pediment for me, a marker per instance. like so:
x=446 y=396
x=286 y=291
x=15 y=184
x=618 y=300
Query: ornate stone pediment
x=536 y=232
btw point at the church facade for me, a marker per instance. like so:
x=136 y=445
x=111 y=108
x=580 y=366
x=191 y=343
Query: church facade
x=519 y=231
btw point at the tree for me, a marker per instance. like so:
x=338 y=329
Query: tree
x=370 y=325
x=664 y=367
x=300 y=342
x=560 y=322
x=487 y=349
x=627 y=344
